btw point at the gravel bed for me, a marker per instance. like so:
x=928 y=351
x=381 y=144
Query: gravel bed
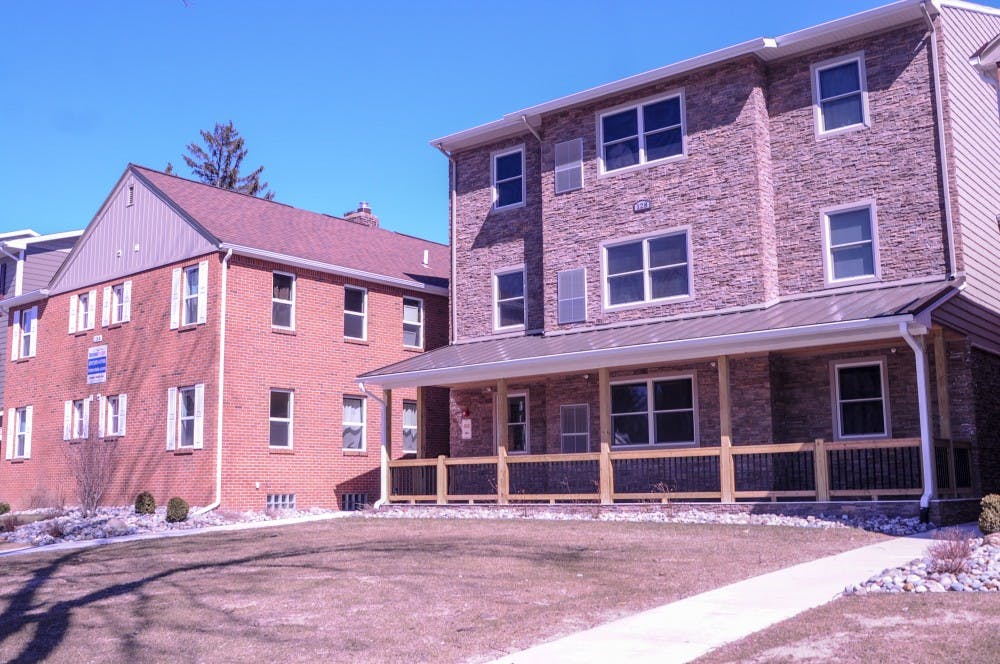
x=982 y=574
x=895 y=526
x=69 y=525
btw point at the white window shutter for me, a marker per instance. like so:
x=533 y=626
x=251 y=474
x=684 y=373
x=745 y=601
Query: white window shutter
x=199 y=416
x=91 y=308
x=11 y=428
x=127 y=302
x=175 y=300
x=101 y=409
x=16 y=337
x=33 y=341
x=28 y=412
x=122 y=408
x=106 y=307
x=86 y=418
x=202 y=291
x=68 y=421
x=171 y=417
x=74 y=301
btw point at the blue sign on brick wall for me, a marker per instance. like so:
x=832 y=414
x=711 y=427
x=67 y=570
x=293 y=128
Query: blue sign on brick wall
x=97 y=364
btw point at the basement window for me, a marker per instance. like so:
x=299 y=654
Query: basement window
x=280 y=501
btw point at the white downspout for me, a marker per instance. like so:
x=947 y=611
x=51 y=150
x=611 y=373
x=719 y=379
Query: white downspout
x=923 y=406
x=452 y=200
x=942 y=145
x=222 y=376
x=384 y=454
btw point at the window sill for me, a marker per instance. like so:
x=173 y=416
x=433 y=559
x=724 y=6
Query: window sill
x=82 y=333
x=287 y=331
x=189 y=327
x=512 y=206
x=412 y=349
x=187 y=451
x=822 y=135
x=639 y=167
x=853 y=281
x=23 y=359
x=19 y=459
x=356 y=342
x=360 y=453
x=114 y=326
x=510 y=329
x=280 y=450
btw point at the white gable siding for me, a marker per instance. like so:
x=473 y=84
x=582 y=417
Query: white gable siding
x=107 y=250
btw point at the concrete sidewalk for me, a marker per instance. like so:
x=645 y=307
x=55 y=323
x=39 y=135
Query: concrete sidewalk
x=689 y=628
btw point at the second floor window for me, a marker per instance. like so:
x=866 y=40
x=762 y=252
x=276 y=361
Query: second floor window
x=413 y=322
x=283 y=300
x=189 y=296
x=647 y=270
x=81 y=311
x=190 y=308
x=25 y=333
x=508 y=178
x=850 y=240
x=508 y=298
x=355 y=312
x=839 y=90
x=642 y=134
x=117 y=304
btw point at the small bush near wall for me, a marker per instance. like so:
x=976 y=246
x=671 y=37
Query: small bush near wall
x=9 y=523
x=145 y=503
x=177 y=510
x=989 y=517
x=951 y=551
x=4 y=508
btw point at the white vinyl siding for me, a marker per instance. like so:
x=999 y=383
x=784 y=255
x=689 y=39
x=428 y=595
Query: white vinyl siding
x=280 y=419
x=355 y=313
x=283 y=300
x=569 y=165
x=508 y=178
x=640 y=134
x=354 y=423
x=652 y=269
x=840 y=94
x=410 y=427
x=575 y=428
x=572 y=295
x=413 y=322
x=509 y=309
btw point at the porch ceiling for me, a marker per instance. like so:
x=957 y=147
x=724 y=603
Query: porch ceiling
x=819 y=320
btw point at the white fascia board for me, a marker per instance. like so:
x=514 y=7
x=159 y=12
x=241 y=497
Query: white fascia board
x=330 y=268
x=52 y=237
x=968 y=6
x=25 y=232
x=26 y=298
x=824 y=334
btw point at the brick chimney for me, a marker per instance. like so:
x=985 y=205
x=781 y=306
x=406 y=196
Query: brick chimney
x=363 y=215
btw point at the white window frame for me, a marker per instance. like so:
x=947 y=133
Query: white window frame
x=186 y=297
x=84 y=305
x=828 y=275
x=79 y=421
x=363 y=423
x=29 y=338
x=496 y=297
x=819 y=121
x=651 y=412
x=115 y=426
x=117 y=303
x=637 y=105
x=499 y=415
x=563 y=434
x=363 y=314
x=289 y=420
x=415 y=427
x=494 y=182
x=181 y=418
x=291 y=302
x=647 y=286
x=21 y=433
x=838 y=422
x=420 y=325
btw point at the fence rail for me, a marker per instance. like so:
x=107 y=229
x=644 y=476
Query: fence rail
x=820 y=470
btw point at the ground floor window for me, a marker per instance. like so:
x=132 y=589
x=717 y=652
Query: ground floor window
x=280 y=434
x=575 y=428
x=354 y=423
x=860 y=399
x=517 y=423
x=654 y=412
x=409 y=427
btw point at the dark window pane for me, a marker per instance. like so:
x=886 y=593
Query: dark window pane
x=621 y=154
x=508 y=166
x=664 y=144
x=281 y=287
x=187 y=433
x=672 y=394
x=863 y=418
x=850 y=262
x=675 y=427
x=354 y=326
x=190 y=310
x=622 y=290
x=516 y=409
x=509 y=193
x=281 y=314
x=411 y=335
x=628 y=398
x=620 y=125
x=187 y=403
x=853 y=226
x=860 y=382
x=354 y=300
x=839 y=80
x=669 y=282
x=516 y=441
x=625 y=258
x=669 y=250
x=280 y=402
x=842 y=112
x=511 y=313
x=279 y=434
x=666 y=113
x=630 y=429
x=510 y=285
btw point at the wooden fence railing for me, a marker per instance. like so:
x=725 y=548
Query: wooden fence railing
x=819 y=470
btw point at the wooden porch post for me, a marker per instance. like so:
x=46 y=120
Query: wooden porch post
x=387 y=448
x=726 y=475
x=442 y=481
x=821 y=469
x=606 y=476
x=944 y=403
x=421 y=446
x=503 y=477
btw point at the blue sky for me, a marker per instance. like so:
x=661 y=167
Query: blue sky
x=337 y=100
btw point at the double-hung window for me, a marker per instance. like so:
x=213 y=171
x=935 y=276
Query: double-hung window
x=862 y=409
x=851 y=246
x=355 y=312
x=354 y=423
x=19 y=433
x=76 y=419
x=575 y=427
x=409 y=427
x=642 y=134
x=189 y=295
x=647 y=270
x=116 y=407
x=81 y=311
x=25 y=333
x=508 y=298
x=283 y=300
x=186 y=417
x=839 y=91
x=508 y=178
x=654 y=412
x=517 y=423
x=117 y=304
x=413 y=322
x=280 y=434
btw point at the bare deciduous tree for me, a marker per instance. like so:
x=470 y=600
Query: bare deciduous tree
x=92 y=463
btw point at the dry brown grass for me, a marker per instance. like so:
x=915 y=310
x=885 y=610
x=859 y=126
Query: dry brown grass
x=378 y=590
x=930 y=628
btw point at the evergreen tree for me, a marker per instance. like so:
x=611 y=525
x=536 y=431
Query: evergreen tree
x=218 y=162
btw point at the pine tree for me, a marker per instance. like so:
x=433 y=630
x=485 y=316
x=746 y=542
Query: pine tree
x=218 y=163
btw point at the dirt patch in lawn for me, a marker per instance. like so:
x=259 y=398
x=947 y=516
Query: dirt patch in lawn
x=373 y=590
x=928 y=628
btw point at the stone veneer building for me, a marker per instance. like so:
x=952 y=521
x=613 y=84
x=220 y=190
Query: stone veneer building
x=786 y=240
x=215 y=337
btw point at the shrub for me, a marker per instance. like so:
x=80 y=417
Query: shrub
x=145 y=503
x=4 y=508
x=55 y=529
x=177 y=510
x=989 y=518
x=9 y=523
x=950 y=551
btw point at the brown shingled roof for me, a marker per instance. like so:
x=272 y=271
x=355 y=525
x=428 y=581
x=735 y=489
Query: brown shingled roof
x=247 y=221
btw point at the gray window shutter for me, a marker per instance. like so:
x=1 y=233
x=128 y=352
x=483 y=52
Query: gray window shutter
x=572 y=294
x=569 y=165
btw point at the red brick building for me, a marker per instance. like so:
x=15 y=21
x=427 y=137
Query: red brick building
x=214 y=338
x=784 y=241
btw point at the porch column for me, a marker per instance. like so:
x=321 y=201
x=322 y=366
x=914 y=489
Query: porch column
x=387 y=444
x=421 y=446
x=503 y=477
x=606 y=478
x=726 y=478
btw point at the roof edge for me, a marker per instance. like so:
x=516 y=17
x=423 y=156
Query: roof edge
x=24 y=298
